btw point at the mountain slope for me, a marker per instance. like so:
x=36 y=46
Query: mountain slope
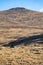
x=15 y=23
x=21 y=37
x=16 y=16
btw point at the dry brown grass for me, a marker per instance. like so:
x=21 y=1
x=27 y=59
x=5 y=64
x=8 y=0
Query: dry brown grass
x=22 y=55
x=15 y=24
x=7 y=35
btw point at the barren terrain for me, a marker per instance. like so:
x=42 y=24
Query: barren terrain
x=21 y=37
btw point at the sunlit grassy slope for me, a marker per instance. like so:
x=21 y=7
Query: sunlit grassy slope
x=21 y=37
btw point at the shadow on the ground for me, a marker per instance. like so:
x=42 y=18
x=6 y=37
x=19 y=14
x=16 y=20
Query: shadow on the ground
x=26 y=40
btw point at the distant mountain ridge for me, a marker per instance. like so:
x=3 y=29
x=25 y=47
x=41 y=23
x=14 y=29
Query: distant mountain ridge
x=17 y=8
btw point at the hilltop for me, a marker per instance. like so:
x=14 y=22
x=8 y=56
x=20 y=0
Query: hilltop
x=16 y=17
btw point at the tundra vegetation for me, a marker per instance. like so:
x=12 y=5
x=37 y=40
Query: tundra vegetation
x=21 y=37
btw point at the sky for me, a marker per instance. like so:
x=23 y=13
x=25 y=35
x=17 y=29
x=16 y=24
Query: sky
x=29 y=4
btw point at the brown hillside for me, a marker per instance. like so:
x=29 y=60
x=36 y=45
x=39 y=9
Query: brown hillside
x=21 y=37
x=21 y=20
